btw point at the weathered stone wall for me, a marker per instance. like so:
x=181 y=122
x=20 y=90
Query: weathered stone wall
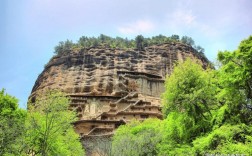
x=94 y=71
x=109 y=87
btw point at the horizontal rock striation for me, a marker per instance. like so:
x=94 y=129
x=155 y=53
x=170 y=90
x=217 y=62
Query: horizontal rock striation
x=110 y=87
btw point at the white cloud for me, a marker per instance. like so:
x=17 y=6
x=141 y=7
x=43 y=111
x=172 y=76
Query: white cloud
x=184 y=21
x=138 y=27
x=183 y=17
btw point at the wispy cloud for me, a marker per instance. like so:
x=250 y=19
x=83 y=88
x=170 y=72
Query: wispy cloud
x=208 y=30
x=183 y=17
x=184 y=21
x=138 y=27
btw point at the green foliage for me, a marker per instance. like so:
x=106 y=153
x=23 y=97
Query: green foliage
x=189 y=89
x=200 y=49
x=137 y=138
x=11 y=125
x=175 y=37
x=226 y=139
x=235 y=77
x=188 y=100
x=45 y=130
x=187 y=40
x=177 y=131
x=177 y=128
x=48 y=127
x=220 y=116
x=64 y=47
x=139 y=43
x=175 y=149
x=159 y=39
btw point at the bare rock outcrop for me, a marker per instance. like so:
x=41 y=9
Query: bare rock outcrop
x=109 y=87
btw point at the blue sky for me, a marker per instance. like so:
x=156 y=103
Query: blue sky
x=30 y=29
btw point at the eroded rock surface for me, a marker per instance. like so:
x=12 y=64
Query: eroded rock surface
x=110 y=87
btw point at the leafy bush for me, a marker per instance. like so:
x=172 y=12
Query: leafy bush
x=228 y=139
x=137 y=138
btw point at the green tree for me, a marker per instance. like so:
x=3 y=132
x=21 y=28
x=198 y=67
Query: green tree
x=187 y=40
x=178 y=130
x=64 y=47
x=103 y=38
x=235 y=78
x=83 y=41
x=189 y=89
x=232 y=129
x=11 y=125
x=137 y=138
x=187 y=102
x=175 y=37
x=200 y=49
x=48 y=128
x=158 y=39
x=225 y=140
x=139 y=42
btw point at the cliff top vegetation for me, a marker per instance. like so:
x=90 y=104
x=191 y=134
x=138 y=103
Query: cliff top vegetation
x=139 y=43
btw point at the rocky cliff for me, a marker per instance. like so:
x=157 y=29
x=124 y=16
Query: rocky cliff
x=109 y=86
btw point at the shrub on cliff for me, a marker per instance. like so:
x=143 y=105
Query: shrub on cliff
x=64 y=47
x=123 y=43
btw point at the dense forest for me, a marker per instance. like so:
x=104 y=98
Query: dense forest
x=205 y=112
x=139 y=43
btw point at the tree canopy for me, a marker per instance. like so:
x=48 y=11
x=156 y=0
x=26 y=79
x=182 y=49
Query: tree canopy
x=189 y=89
x=236 y=80
x=12 y=121
x=48 y=127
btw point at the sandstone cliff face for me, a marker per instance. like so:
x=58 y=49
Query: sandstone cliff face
x=110 y=87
